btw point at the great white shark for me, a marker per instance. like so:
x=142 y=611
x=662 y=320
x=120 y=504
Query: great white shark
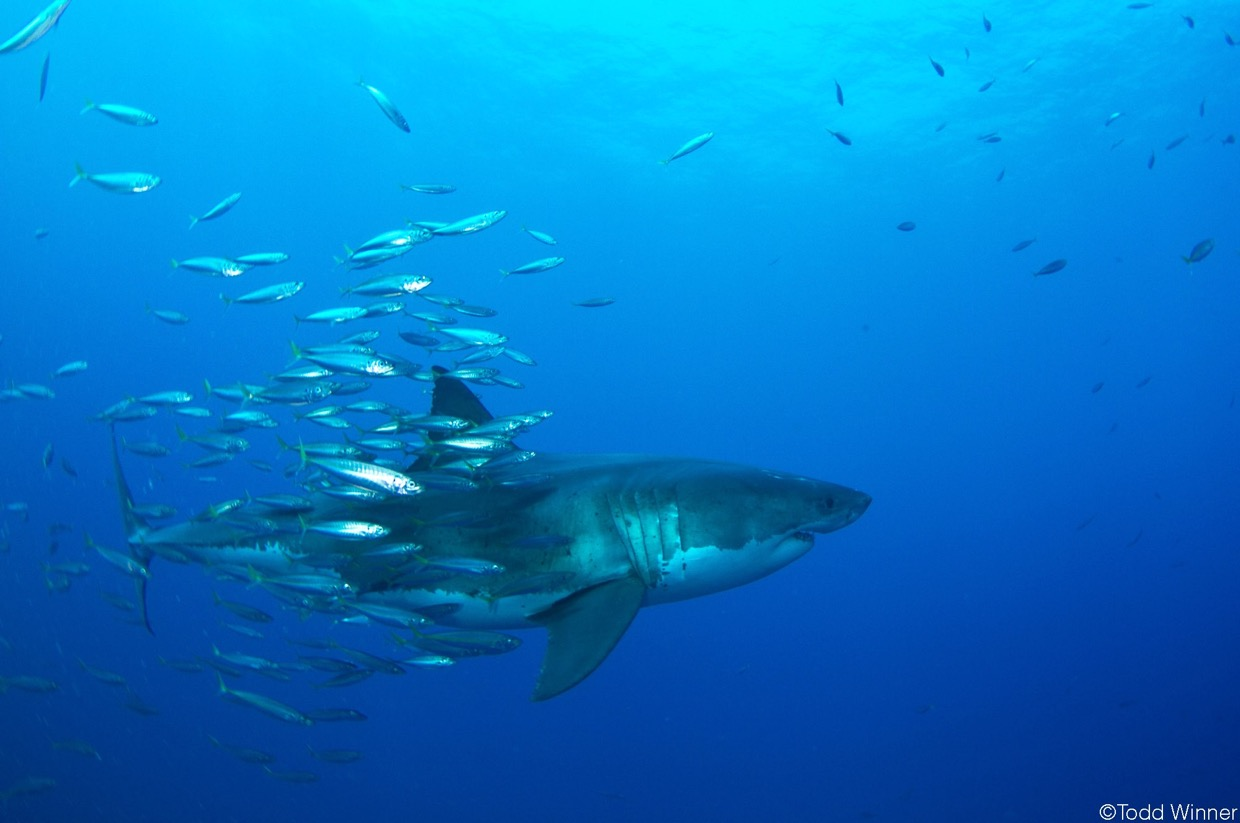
x=572 y=543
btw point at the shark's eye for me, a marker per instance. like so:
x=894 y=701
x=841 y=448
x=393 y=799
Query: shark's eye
x=830 y=502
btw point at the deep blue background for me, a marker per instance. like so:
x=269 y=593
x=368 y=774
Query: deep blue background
x=964 y=652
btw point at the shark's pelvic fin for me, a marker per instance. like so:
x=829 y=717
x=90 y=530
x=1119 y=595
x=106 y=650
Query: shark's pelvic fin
x=582 y=630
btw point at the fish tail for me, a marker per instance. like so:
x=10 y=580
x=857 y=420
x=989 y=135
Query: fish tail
x=661 y=163
x=504 y=272
x=219 y=678
x=193 y=221
x=228 y=301
x=90 y=104
x=135 y=527
x=139 y=584
x=78 y=174
x=175 y=263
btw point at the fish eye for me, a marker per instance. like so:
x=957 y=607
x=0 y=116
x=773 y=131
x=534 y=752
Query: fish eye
x=830 y=502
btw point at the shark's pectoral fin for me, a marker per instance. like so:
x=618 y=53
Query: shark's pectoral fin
x=582 y=630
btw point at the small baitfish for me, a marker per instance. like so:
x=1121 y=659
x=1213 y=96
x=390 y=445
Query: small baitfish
x=540 y=236
x=30 y=33
x=545 y=264
x=122 y=114
x=689 y=147
x=120 y=182
x=1200 y=252
x=218 y=210
x=1051 y=267
x=429 y=188
x=266 y=705
x=267 y=294
x=469 y=225
x=262 y=258
x=386 y=106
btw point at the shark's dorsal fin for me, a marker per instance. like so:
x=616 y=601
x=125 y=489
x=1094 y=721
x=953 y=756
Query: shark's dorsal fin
x=450 y=398
x=582 y=629
x=453 y=398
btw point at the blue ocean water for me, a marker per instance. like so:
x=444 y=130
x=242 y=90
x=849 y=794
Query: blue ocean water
x=1037 y=616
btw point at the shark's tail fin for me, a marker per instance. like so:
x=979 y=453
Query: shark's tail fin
x=135 y=528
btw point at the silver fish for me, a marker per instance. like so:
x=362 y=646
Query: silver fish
x=429 y=188
x=47 y=59
x=469 y=225
x=1200 y=252
x=540 y=236
x=268 y=294
x=215 y=266
x=262 y=258
x=123 y=182
x=386 y=106
x=266 y=705
x=122 y=114
x=36 y=28
x=689 y=147
x=545 y=264
x=217 y=210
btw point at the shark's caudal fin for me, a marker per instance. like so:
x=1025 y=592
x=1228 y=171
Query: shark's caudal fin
x=582 y=629
x=135 y=527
